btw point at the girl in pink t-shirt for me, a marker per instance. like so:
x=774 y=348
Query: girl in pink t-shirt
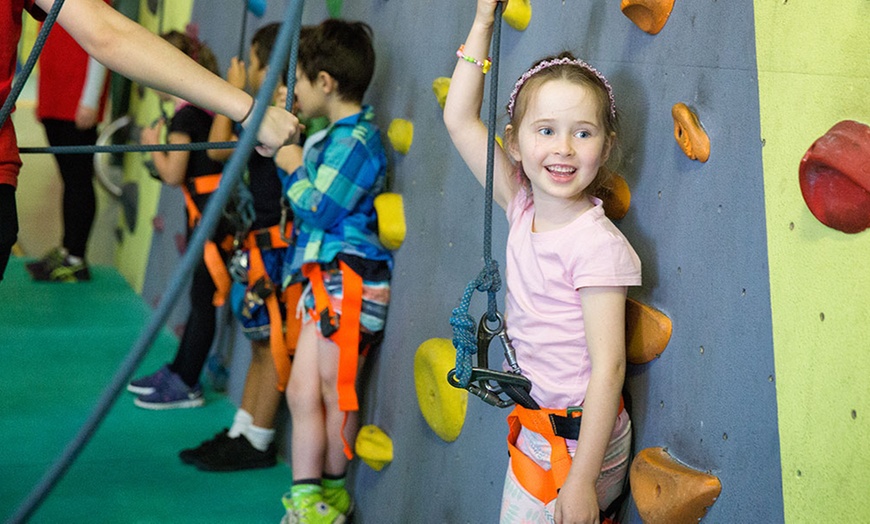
x=567 y=271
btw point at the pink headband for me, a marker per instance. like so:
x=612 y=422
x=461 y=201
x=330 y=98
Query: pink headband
x=559 y=61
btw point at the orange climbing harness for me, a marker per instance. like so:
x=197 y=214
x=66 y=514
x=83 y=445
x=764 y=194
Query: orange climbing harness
x=343 y=331
x=282 y=342
x=205 y=185
x=555 y=425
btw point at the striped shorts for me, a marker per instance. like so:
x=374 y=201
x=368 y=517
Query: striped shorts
x=375 y=299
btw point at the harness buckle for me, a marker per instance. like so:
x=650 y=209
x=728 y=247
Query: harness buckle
x=328 y=323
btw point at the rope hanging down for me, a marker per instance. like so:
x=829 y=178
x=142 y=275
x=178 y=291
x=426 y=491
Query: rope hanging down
x=489 y=279
x=232 y=174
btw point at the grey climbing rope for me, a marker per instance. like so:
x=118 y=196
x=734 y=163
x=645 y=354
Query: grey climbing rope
x=489 y=279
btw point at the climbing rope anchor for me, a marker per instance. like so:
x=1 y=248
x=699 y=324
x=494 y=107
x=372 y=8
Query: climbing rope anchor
x=490 y=384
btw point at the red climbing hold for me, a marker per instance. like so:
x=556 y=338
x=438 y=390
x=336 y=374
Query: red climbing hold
x=835 y=177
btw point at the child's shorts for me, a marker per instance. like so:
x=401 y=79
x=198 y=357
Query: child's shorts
x=375 y=299
x=252 y=312
x=518 y=505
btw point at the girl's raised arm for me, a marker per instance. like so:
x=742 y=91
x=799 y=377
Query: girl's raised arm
x=464 y=99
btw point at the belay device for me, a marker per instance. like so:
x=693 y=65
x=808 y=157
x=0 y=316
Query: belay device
x=488 y=384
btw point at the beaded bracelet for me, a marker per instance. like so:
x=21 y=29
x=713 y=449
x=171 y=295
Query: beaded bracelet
x=484 y=66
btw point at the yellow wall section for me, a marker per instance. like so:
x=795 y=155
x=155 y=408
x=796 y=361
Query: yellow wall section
x=814 y=71
x=132 y=256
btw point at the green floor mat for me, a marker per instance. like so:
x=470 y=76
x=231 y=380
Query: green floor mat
x=60 y=345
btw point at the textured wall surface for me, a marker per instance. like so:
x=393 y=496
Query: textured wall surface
x=699 y=229
x=814 y=71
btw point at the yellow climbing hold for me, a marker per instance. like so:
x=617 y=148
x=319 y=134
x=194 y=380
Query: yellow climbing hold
x=374 y=447
x=391 y=219
x=442 y=405
x=401 y=134
x=440 y=86
x=518 y=14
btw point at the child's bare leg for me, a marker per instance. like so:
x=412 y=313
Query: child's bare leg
x=335 y=461
x=261 y=386
x=308 y=439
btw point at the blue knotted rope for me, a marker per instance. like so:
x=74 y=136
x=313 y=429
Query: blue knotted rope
x=489 y=280
x=192 y=256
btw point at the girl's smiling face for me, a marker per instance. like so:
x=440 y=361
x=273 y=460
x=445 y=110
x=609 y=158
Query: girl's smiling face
x=561 y=140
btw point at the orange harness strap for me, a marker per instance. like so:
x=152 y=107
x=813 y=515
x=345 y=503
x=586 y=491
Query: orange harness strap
x=204 y=185
x=346 y=337
x=256 y=271
x=543 y=484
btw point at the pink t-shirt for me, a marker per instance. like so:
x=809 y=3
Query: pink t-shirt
x=543 y=314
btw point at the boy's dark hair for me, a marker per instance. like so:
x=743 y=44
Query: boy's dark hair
x=264 y=40
x=344 y=50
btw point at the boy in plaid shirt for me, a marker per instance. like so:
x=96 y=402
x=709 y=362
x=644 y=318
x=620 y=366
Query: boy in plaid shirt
x=331 y=185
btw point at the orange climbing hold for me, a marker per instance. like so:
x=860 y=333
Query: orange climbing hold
x=649 y=15
x=647 y=332
x=616 y=198
x=689 y=134
x=668 y=492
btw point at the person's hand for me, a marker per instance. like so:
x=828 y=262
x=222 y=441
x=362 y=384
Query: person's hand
x=150 y=136
x=236 y=74
x=278 y=128
x=486 y=9
x=8 y=224
x=86 y=117
x=577 y=503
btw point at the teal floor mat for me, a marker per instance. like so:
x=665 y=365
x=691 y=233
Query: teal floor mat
x=60 y=345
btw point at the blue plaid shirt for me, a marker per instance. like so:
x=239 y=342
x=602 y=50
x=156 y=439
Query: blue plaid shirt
x=332 y=194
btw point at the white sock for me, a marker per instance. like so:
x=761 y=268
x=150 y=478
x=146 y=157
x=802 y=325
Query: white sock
x=260 y=438
x=241 y=421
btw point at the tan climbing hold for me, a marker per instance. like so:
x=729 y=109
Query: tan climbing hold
x=668 y=492
x=647 y=332
x=649 y=15
x=440 y=86
x=401 y=135
x=616 y=198
x=374 y=447
x=689 y=134
x=392 y=227
x=518 y=14
x=442 y=405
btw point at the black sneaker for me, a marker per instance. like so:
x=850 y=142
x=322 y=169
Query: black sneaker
x=190 y=456
x=235 y=454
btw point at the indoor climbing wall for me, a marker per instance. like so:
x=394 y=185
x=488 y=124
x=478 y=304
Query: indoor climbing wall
x=135 y=236
x=814 y=72
x=754 y=409
x=710 y=398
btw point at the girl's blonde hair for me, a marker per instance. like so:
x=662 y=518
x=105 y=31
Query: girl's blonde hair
x=565 y=66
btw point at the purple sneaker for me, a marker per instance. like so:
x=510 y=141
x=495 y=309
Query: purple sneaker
x=147 y=384
x=172 y=393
